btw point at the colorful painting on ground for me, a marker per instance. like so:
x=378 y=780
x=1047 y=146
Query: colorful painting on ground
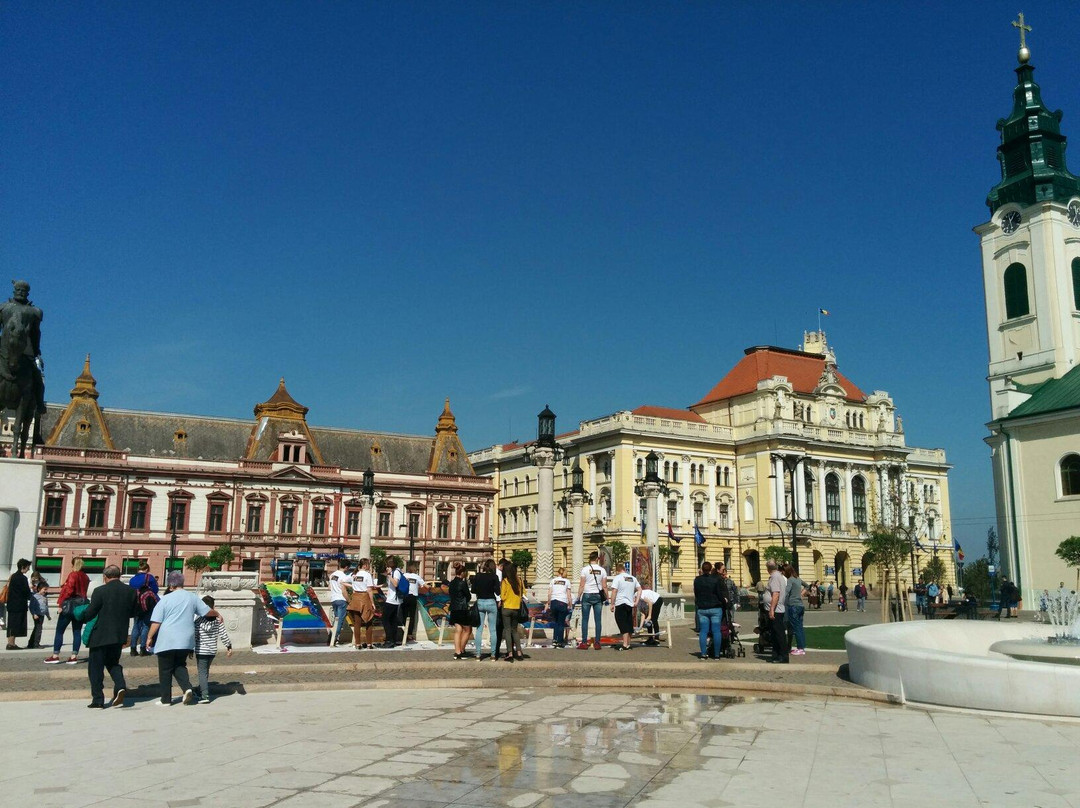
x=434 y=606
x=539 y=616
x=296 y=607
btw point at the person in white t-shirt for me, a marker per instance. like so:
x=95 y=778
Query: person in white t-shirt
x=391 y=616
x=339 y=601
x=559 y=605
x=625 y=591
x=649 y=605
x=409 y=606
x=361 y=606
x=591 y=592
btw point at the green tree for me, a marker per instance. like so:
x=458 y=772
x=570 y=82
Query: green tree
x=197 y=563
x=891 y=549
x=522 y=559
x=977 y=579
x=778 y=553
x=619 y=553
x=378 y=561
x=1069 y=552
x=221 y=555
x=934 y=571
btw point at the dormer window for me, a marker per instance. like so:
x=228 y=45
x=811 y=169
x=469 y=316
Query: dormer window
x=289 y=452
x=179 y=436
x=83 y=427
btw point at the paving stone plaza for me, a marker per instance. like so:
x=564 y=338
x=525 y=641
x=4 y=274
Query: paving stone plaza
x=530 y=748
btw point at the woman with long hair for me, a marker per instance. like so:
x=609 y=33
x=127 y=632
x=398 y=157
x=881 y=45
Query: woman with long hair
x=18 y=603
x=511 y=603
x=460 y=596
x=361 y=607
x=485 y=585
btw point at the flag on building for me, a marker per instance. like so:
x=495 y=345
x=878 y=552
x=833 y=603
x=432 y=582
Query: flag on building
x=699 y=540
x=671 y=534
x=959 y=551
x=824 y=311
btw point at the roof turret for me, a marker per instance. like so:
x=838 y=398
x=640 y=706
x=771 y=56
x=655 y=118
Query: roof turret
x=1032 y=150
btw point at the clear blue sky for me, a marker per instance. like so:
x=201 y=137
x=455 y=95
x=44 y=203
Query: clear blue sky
x=592 y=205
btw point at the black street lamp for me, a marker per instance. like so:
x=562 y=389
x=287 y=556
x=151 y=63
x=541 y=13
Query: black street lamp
x=367 y=487
x=793 y=520
x=411 y=526
x=545 y=437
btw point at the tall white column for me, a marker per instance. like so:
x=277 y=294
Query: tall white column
x=591 y=461
x=365 y=529
x=652 y=533
x=686 y=487
x=544 y=458
x=778 y=488
x=712 y=490
x=614 y=489
x=799 y=494
x=577 y=550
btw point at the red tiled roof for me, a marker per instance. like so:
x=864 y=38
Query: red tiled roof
x=669 y=412
x=803 y=370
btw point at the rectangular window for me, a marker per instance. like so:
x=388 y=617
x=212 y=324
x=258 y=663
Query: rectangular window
x=95 y=569
x=672 y=512
x=137 y=516
x=288 y=519
x=699 y=514
x=384 y=523
x=352 y=523
x=832 y=507
x=216 y=521
x=178 y=515
x=129 y=566
x=254 y=519
x=174 y=564
x=49 y=568
x=724 y=518
x=727 y=559
x=414 y=524
x=54 y=512
x=318 y=522
x=472 y=524
x=444 y=526
x=930 y=529
x=96 y=520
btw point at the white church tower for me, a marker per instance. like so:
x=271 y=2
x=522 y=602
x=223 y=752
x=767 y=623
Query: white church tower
x=1031 y=277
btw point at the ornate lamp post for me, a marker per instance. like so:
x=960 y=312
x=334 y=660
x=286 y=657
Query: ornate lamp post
x=367 y=492
x=543 y=454
x=791 y=465
x=650 y=487
x=576 y=499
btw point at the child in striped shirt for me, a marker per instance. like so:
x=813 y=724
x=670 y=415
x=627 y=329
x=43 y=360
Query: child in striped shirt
x=208 y=632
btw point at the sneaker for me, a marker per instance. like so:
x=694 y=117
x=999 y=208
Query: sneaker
x=95 y=705
x=703 y=657
x=597 y=646
x=161 y=703
x=204 y=700
x=118 y=699
x=798 y=652
x=189 y=697
x=52 y=660
x=583 y=646
x=72 y=659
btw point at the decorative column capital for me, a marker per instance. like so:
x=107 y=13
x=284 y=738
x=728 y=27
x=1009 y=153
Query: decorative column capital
x=544 y=457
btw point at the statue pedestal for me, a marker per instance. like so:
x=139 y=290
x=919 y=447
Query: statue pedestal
x=20 y=510
x=235 y=600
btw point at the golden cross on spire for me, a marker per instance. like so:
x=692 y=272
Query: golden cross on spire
x=1024 y=54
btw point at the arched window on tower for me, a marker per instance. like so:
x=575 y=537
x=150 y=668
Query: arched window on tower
x=1076 y=283
x=809 y=483
x=1016 y=291
x=675 y=472
x=1070 y=475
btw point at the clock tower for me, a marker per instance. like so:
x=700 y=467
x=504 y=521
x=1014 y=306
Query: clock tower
x=1031 y=250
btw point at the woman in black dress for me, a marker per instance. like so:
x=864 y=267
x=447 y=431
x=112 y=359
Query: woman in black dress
x=459 y=610
x=18 y=603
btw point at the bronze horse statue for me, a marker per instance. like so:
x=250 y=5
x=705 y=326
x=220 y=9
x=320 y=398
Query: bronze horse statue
x=21 y=384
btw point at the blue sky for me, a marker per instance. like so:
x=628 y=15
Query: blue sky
x=592 y=205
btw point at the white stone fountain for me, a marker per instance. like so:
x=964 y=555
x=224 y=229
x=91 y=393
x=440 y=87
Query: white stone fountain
x=1060 y=648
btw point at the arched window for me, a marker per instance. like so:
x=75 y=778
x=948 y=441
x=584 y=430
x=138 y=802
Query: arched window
x=1076 y=283
x=675 y=472
x=832 y=500
x=858 y=502
x=1070 y=475
x=809 y=483
x=667 y=469
x=719 y=476
x=1016 y=291
x=726 y=470
x=640 y=468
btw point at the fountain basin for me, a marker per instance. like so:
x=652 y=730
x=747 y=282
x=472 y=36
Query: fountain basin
x=1039 y=651
x=951 y=663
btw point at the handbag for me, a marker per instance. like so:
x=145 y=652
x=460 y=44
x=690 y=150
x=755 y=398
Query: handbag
x=72 y=603
x=523 y=612
x=600 y=586
x=474 y=616
x=4 y=594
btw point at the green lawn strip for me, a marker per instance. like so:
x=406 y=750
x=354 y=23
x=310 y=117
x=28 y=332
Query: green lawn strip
x=827 y=638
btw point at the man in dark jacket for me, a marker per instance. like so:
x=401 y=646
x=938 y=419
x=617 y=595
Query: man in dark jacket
x=113 y=604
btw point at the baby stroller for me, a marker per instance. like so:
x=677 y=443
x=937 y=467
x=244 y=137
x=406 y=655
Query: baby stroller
x=731 y=646
x=763 y=629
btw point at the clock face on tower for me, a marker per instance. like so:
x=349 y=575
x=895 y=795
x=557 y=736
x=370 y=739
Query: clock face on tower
x=1010 y=221
x=1074 y=214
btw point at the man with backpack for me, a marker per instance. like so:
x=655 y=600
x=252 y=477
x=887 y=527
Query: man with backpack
x=397 y=589
x=146 y=595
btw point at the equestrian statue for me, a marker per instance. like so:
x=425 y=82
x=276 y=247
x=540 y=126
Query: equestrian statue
x=22 y=383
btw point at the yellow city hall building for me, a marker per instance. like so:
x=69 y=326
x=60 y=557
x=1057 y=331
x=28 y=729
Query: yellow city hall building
x=783 y=436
